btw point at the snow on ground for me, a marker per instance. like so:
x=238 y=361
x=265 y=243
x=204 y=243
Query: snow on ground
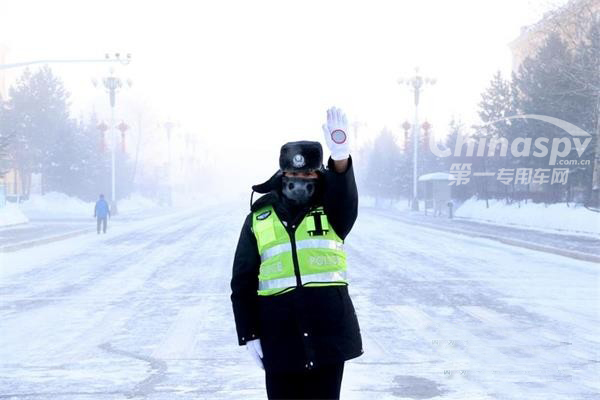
x=559 y=217
x=11 y=214
x=136 y=202
x=144 y=311
x=54 y=204
x=383 y=203
x=59 y=205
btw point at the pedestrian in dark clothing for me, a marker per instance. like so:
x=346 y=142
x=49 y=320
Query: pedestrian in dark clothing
x=290 y=294
x=101 y=212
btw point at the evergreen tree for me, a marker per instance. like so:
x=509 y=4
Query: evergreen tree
x=562 y=84
x=39 y=124
x=497 y=103
x=4 y=139
x=46 y=140
x=385 y=175
x=97 y=177
x=90 y=171
x=428 y=161
x=456 y=130
x=585 y=73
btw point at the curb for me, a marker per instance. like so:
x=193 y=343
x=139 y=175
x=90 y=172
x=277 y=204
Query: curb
x=13 y=225
x=32 y=243
x=585 y=234
x=49 y=239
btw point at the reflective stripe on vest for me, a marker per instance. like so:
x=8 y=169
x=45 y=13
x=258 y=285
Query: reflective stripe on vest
x=283 y=283
x=319 y=251
x=302 y=244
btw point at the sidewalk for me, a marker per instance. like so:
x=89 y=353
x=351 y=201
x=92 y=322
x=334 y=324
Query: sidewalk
x=580 y=247
x=40 y=232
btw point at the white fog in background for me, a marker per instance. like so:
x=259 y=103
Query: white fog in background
x=244 y=77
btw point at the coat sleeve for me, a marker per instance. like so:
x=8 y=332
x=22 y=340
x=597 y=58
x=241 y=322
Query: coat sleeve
x=341 y=198
x=244 y=284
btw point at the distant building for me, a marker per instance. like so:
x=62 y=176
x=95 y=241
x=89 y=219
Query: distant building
x=569 y=21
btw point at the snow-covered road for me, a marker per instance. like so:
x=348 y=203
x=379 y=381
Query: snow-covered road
x=144 y=312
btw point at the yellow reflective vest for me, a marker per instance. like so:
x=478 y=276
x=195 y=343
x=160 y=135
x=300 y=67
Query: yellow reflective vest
x=311 y=254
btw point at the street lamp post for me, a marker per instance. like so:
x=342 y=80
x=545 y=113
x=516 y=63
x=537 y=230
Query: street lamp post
x=406 y=126
x=417 y=83
x=112 y=85
x=169 y=125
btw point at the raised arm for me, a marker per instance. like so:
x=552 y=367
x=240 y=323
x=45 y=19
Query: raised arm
x=341 y=195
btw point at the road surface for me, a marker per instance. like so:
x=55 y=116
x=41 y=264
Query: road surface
x=144 y=312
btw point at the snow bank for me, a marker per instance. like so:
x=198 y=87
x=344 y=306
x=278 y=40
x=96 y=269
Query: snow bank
x=59 y=205
x=136 y=202
x=383 y=203
x=555 y=216
x=54 y=204
x=11 y=214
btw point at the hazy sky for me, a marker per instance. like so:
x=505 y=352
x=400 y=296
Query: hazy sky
x=246 y=76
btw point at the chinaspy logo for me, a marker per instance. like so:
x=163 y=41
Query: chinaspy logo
x=556 y=149
x=521 y=147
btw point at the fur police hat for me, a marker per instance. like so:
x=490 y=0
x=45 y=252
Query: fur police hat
x=303 y=155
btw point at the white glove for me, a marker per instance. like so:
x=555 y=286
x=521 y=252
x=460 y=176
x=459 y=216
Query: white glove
x=255 y=349
x=336 y=134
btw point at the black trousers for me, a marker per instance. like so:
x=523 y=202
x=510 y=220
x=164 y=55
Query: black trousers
x=324 y=382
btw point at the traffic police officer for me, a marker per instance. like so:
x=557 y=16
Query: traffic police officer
x=289 y=283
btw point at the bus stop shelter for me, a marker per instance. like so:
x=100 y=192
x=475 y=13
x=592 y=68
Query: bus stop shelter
x=437 y=193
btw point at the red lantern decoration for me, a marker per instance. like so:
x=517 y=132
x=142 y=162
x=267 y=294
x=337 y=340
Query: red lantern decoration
x=406 y=126
x=426 y=127
x=123 y=127
x=102 y=127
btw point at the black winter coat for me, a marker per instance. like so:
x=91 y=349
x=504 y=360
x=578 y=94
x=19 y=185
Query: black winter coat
x=308 y=326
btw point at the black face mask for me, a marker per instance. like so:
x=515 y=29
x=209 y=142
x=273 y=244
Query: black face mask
x=299 y=190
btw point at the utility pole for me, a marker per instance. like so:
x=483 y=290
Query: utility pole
x=595 y=194
x=169 y=125
x=112 y=85
x=416 y=83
